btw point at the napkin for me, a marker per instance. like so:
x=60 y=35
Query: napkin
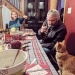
x=37 y=70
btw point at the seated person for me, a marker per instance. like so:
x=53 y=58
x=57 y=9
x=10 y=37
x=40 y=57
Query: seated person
x=16 y=22
x=52 y=30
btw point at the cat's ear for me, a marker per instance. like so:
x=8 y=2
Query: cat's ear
x=59 y=45
x=63 y=42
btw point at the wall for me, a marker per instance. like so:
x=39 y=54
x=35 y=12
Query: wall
x=70 y=24
x=62 y=3
x=6 y=15
x=49 y=4
x=53 y=4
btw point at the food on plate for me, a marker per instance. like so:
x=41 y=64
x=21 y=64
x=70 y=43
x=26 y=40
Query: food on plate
x=29 y=33
x=32 y=33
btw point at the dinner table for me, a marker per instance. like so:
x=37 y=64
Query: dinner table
x=42 y=64
x=37 y=61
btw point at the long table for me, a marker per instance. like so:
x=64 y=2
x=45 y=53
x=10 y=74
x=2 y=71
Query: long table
x=35 y=50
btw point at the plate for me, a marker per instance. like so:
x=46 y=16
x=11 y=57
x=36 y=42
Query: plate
x=32 y=33
x=29 y=34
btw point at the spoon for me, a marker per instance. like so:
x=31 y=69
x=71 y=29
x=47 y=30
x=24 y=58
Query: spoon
x=28 y=66
x=31 y=64
x=16 y=56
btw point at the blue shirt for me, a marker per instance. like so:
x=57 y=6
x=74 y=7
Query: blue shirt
x=16 y=23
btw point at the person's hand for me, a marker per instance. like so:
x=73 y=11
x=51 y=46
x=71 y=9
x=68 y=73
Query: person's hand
x=43 y=45
x=25 y=16
x=43 y=29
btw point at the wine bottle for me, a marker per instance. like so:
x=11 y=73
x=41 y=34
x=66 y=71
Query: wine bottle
x=7 y=31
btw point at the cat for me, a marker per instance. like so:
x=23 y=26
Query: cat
x=65 y=61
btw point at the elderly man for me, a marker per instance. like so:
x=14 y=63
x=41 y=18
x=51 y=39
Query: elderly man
x=52 y=30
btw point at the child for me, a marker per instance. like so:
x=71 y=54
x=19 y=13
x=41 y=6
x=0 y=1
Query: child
x=16 y=22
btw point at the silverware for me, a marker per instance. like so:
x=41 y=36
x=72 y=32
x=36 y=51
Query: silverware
x=38 y=70
x=27 y=42
x=31 y=63
x=16 y=56
x=29 y=66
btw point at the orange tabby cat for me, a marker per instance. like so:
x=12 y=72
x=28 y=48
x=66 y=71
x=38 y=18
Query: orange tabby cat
x=65 y=61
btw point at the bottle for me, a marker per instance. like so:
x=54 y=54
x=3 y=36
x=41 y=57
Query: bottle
x=7 y=34
x=7 y=31
x=6 y=26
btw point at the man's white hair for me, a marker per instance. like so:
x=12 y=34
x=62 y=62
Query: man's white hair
x=54 y=12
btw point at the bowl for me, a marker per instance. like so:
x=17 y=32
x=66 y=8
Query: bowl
x=6 y=60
